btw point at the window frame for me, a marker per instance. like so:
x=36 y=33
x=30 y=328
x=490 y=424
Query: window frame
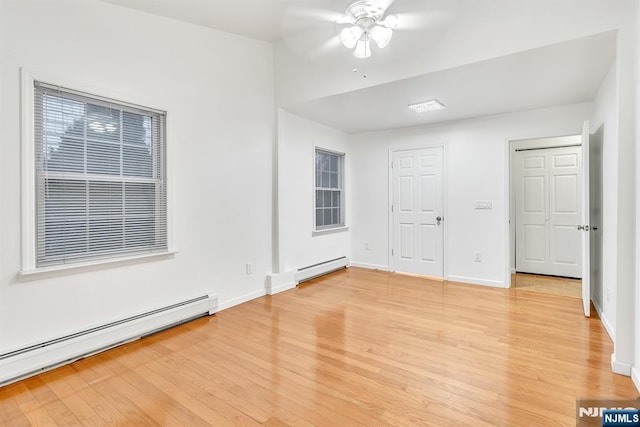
x=28 y=269
x=342 y=225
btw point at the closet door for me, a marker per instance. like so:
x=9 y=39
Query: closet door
x=548 y=211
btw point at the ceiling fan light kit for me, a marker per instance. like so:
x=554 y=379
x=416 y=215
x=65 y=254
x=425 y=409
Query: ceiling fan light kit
x=367 y=23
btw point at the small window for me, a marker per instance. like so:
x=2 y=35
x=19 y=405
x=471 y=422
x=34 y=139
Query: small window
x=100 y=178
x=329 y=205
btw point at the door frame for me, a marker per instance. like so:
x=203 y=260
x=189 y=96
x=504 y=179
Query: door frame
x=512 y=145
x=445 y=202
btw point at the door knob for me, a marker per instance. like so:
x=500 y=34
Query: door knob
x=438 y=219
x=580 y=227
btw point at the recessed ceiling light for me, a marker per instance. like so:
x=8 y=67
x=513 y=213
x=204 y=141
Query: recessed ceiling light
x=424 y=106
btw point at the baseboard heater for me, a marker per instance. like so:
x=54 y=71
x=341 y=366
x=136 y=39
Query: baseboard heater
x=316 y=270
x=32 y=360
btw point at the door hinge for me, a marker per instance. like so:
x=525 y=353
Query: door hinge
x=391 y=208
x=391 y=252
x=392 y=165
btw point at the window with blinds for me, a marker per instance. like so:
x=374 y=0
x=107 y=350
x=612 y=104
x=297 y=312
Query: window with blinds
x=100 y=178
x=329 y=206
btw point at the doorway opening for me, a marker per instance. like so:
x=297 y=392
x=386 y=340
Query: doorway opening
x=556 y=285
x=547 y=189
x=555 y=186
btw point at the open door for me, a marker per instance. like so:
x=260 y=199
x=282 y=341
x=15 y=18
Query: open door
x=584 y=227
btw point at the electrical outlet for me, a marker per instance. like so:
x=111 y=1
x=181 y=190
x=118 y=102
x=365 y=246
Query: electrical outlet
x=478 y=257
x=366 y=246
x=249 y=268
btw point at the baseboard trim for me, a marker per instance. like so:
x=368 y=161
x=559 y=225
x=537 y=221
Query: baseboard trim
x=635 y=377
x=35 y=359
x=605 y=321
x=476 y=281
x=320 y=269
x=242 y=299
x=281 y=288
x=280 y=282
x=370 y=266
x=620 y=367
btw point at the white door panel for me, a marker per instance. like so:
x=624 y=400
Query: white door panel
x=548 y=211
x=565 y=160
x=428 y=193
x=533 y=162
x=535 y=243
x=429 y=240
x=428 y=161
x=406 y=242
x=534 y=194
x=417 y=244
x=564 y=193
x=586 y=212
x=406 y=162
x=564 y=240
x=406 y=194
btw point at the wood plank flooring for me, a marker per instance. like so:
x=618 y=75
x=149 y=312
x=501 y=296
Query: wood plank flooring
x=547 y=284
x=356 y=347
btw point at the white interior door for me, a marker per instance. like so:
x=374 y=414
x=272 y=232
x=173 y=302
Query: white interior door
x=417 y=211
x=584 y=227
x=595 y=215
x=548 y=210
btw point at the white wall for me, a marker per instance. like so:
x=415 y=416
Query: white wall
x=626 y=52
x=477 y=170
x=218 y=90
x=606 y=114
x=299 y=247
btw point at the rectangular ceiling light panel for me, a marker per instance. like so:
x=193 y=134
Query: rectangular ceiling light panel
x=423 y=107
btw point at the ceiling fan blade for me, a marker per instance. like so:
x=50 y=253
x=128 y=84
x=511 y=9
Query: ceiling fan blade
x=422 y=20
x=422 y=14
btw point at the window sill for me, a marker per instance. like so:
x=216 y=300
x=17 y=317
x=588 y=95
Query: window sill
x=329 y=231
x=63 y=270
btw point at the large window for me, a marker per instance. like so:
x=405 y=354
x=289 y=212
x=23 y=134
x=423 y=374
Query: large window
x=329 y=207
x=100 y=178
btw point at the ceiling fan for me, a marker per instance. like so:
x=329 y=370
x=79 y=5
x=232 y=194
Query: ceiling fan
x=366 y=22
x=316 y=28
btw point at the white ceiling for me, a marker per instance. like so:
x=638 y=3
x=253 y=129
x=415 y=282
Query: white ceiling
x=561 y=74
x=272 y=20
x=266 y=20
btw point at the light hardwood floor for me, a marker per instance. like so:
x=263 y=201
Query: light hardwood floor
x=356 y=347
x=548 y=284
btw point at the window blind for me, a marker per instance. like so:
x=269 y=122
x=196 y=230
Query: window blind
x=100 y=177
